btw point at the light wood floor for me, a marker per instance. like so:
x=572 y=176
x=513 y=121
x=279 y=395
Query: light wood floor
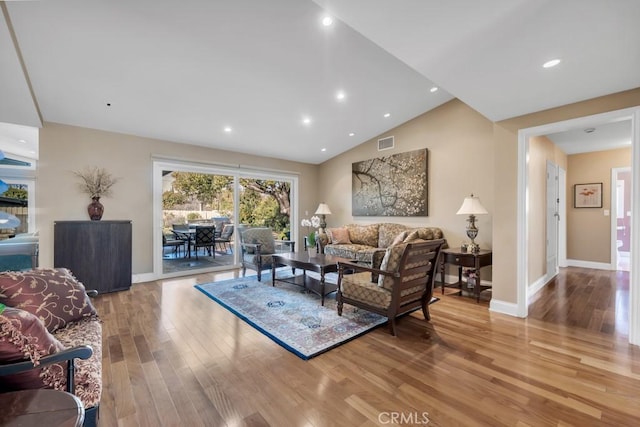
x=173 y=357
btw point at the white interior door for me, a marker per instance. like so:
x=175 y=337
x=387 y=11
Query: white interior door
x=553 y=219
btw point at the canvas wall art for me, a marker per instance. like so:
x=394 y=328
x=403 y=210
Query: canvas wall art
x=394 y=185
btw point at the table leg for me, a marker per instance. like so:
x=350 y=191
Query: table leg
x=273 y=273
x=442 y=264
x=477 y=284
x=460 y=279
x=322 y=286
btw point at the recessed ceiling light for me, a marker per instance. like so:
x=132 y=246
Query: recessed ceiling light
x=306 y=120
x=433 y=89
x=551 y=63
x=340 y=95
x=387 y=115
x=323 y=149
x=327 y=21
x=227 y=129
x=22 y=141
x=351 y=134
x=590 y=130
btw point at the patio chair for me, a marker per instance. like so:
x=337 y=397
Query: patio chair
x=174 y=243
x=258 y=246
x=205 y=238
x=225 y=237
x=405 y=281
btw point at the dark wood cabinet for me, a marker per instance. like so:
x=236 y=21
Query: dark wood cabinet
x=98 y=253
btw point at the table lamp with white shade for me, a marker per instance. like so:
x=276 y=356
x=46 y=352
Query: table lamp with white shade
x=471 y=206
x=323 y=210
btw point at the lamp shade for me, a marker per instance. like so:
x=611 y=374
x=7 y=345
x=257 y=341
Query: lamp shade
x=323 y=209
x=471 y=206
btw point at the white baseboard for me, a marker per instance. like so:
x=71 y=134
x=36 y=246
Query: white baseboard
x=589 y=264
x=143 y=277
x=503 y=307
x=536 y=286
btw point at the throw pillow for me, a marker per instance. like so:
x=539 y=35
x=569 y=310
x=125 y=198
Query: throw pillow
x=339 y=236
x=24 y=337
x=399 y=238
x=53 y=295
x=390 y=262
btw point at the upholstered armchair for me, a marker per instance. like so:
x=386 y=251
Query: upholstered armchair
x=258 y=245
x=404 y=281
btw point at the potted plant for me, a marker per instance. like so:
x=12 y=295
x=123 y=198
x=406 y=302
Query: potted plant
x=97 y=183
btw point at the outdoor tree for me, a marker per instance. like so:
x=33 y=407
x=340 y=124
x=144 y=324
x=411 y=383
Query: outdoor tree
x=15 y=193
x=171 y=199
x=203 y=188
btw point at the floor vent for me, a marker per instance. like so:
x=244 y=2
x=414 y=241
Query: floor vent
x=385 y=143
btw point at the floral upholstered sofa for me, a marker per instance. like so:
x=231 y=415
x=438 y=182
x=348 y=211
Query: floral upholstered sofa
x=367 y=243
x=47 y=319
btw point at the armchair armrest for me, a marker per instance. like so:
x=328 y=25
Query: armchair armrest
x=291 y=243
x=80 y=352
x=342 y=265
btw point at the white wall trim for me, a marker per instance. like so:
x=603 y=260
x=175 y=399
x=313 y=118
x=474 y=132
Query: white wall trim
x=503 y=307
x=590 y=264
x=536 y=287
x=634 y=274
x=142 y=277
x=632 y=114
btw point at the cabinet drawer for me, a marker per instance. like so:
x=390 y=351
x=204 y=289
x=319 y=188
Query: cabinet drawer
x=460 y=259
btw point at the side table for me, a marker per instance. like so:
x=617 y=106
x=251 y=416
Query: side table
x=472 y=260
x=41 y=407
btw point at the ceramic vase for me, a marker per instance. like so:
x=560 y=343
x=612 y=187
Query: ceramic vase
x=95 y=209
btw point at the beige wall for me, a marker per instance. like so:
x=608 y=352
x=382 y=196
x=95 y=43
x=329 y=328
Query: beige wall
x=541 y=151
x=460 y=146
x=66 y=148
x=588 y=229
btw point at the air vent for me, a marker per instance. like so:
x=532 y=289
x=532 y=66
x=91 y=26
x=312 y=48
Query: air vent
x=385 y=143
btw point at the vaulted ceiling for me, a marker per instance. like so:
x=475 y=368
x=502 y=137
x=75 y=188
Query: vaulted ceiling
x=244 y=75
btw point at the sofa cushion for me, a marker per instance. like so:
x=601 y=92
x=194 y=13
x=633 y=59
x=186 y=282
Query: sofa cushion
x=88 y=375
x=364 y=234
x=388 y=231
x=24 y=337
x=338 y=236
x=424 y=233
x=54 y=295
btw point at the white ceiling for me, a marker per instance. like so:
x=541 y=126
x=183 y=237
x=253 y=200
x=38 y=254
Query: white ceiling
x=182 y=71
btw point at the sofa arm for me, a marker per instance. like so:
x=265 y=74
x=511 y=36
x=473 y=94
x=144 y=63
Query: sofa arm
x=80 y=352
x=322 y=239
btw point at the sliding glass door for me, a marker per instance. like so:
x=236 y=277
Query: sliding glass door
x=190 y=199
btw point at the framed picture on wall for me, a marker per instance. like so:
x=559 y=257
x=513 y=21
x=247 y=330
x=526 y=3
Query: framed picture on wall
x=587 y=195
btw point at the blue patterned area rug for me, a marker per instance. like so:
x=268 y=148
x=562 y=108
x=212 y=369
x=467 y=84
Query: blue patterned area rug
x=290 y=316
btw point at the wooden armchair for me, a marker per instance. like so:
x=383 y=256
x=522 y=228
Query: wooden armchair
x=405 y=281
x=258 y=246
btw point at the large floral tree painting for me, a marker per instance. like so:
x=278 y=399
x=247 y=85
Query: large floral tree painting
x=395 y=185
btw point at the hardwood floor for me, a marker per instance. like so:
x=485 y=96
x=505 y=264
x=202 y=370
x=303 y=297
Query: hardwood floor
x=174 y=357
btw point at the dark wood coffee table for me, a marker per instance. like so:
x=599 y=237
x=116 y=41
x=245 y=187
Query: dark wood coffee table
x=320 y=263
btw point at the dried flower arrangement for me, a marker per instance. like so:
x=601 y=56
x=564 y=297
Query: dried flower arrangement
x=96 y=182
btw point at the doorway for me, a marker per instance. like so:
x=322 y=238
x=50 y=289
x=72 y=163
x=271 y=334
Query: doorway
x=523 y=203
